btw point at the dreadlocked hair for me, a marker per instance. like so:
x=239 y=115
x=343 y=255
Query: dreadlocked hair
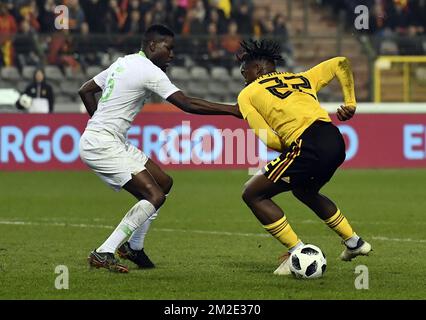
x=260 y=50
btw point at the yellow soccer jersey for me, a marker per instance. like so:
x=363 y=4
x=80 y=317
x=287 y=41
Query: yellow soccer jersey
x=288 y=104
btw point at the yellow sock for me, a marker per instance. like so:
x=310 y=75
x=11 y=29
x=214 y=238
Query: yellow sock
x=282 y=231
x=340 y=225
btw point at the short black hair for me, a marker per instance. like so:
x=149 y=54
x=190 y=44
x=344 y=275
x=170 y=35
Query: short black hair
x=156 y=31
x=268 y=50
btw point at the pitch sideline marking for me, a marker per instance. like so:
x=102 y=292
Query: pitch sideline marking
x=220 y=233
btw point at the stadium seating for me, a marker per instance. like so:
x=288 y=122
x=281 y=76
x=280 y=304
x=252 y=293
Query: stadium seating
x=310 y=41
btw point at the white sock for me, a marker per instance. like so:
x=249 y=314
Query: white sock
x=136 y=216
x=297 y=246
x=352 y=241
x=137 y=239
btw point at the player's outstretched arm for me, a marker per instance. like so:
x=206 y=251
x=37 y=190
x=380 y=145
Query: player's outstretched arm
x=338 y=67
x=200 y=106
x=345 y=75
x=87 y=94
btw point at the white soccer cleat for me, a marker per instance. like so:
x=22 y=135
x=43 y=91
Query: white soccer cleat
x=362 y=249
x=284 y=268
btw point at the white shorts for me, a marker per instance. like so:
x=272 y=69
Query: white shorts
x=112 y=159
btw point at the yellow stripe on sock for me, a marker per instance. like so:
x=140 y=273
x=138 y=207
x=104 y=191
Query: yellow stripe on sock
x=340 y=225
x=283 y=232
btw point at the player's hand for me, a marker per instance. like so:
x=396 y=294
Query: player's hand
x=345 y=113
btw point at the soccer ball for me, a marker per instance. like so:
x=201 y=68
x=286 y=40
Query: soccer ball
x=308 y=262
x=25 y=101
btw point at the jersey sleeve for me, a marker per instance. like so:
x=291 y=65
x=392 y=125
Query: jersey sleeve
x=321 y=75
x=244 y=103
x=100 y=79
x=262 y=130
x=158 y=82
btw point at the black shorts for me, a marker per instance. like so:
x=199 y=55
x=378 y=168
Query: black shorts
x=311 y=160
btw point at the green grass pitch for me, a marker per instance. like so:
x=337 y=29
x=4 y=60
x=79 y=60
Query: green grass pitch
x=205 y=242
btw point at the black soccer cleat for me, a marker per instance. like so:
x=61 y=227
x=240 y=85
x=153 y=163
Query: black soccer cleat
x=136 y=256
x=106 y=260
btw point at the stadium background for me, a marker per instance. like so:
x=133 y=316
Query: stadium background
x=389 y=131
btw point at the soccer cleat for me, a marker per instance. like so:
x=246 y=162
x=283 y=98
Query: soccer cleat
x=106 y=260
x=136 y=256
x=363 y=248
x=284 y=268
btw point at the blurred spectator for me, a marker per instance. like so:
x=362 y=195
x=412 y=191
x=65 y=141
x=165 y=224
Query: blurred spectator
x=47 y=17
x=418 y=9
x=95 y=11
x=408 y=44
x=8 y=28
x=280 y=31
x=131 y=5
x=231 y=41
x=222 y=5
x=195 y=25
x=134 y=23
x=176 y=16
x=114 y=18
x=27 y=45
x=217 y=17
x=87 y=47
x=260 y=16
x=242 y=17
x=62 y=49
x=12 y=6
x=76 y=15
x=29 y=12
x=377 y=20
x=399 y=16
x=159 y=14
x=145 y=6
x=194 y=22
x=214 y=46
x=239 y=3
x=41 y=98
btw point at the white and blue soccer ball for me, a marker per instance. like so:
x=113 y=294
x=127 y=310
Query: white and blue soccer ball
x=308 y=262
x=26 y=101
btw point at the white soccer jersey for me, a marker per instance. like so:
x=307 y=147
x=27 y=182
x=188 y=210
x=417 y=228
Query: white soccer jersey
x=126 y=85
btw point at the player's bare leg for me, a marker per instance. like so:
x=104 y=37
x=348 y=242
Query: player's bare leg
x=258 y=194
x=153 y=199
x=326 y=210
x=134 y=248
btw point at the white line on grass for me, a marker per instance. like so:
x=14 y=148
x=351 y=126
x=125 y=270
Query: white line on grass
x=398 y=240
x=55 y=224
x=220 y=233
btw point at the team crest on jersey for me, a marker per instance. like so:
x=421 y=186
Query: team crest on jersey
x=286 y=179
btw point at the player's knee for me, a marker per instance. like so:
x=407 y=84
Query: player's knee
x=248 y=196
x=159 y=200
x=304 y=195
x=168 y=184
